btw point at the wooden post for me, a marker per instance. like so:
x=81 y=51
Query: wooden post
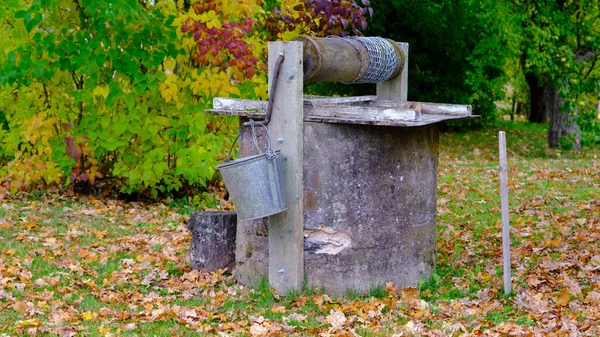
x=286 y=236
x=396 y=89
x=504 y=204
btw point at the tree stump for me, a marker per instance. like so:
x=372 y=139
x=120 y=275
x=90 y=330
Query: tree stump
x=213 y=240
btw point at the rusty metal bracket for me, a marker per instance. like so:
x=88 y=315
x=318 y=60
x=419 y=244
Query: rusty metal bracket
x=267 y=119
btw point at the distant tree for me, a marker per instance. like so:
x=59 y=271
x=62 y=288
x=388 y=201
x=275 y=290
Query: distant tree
x=459 y=49
x=560 y=51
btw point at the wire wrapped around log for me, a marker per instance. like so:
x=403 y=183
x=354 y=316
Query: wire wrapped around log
x=351 y=60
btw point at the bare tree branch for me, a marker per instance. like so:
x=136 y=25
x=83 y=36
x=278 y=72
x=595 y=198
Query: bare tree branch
x=591 y=68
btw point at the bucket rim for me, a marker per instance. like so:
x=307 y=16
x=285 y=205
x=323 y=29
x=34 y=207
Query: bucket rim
x=263 y=216
x=243 y=160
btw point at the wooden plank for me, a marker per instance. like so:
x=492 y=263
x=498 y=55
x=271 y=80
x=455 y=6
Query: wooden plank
x=286 y=230
x=426 y=108
x=505 y=220
x=425 y=119
x=256 y=115
x=235 y=104
x=365 y=113
x=222 y=103
x=397 y=88
x=337 y=100
x=354 y=110
x=358 y=105
x=225 y=103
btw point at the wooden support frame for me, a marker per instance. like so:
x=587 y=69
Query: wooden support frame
x=396 y=89
x=286 y=229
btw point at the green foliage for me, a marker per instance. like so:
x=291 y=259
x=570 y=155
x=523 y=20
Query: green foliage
x=589 y=122
x=458 y=50
x=94 y=91
x=115 y=91
x=560 y=47
x=560 y=42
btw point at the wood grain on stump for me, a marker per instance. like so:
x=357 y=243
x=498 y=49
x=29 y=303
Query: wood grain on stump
x=213 y=240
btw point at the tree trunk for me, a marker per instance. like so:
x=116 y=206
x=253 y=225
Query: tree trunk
x=562 y=130
x=538 y=112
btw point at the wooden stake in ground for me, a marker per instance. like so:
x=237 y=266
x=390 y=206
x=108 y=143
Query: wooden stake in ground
x=504 y=203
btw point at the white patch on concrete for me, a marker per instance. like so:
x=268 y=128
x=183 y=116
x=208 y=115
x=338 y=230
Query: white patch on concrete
x=339 y=211
x=331 y=240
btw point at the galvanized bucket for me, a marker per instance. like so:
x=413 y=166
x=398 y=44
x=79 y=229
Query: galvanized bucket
x=255 y=183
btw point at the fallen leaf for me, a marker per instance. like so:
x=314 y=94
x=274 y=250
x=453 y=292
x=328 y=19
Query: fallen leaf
x=20 y=307
x=101 y=234
x=276 y=308
x=336 y=319
x=257 y=329
x=297 y=317
x=563 y=297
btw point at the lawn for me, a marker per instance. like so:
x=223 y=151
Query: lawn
x=79 y=266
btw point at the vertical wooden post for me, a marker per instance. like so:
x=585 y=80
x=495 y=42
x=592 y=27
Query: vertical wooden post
x=396 y=89
x=286 y=230
x=504 y=204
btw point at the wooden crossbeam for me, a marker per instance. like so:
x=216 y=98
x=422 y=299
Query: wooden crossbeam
x=365 y=110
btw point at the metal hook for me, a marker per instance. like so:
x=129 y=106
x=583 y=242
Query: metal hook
x=271 y=92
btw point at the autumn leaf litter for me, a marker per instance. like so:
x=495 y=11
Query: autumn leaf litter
x=81 y=266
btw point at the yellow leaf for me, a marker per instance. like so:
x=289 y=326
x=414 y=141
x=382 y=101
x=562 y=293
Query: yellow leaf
x=235 y=91
x=563 y=297
x=261 y=91
x=101 y=91
x=169 y=63
x=87 y=316
x=29 y=322
x=215 y=22
x=178 y=22
x=103 y=330
x=101 y=234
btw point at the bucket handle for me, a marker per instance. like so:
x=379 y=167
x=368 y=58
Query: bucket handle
x=269 y=153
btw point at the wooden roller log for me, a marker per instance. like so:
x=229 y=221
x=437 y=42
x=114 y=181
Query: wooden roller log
x=339 y=59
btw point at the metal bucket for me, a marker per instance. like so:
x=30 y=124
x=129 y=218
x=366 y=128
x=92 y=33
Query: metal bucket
x=255 y=185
